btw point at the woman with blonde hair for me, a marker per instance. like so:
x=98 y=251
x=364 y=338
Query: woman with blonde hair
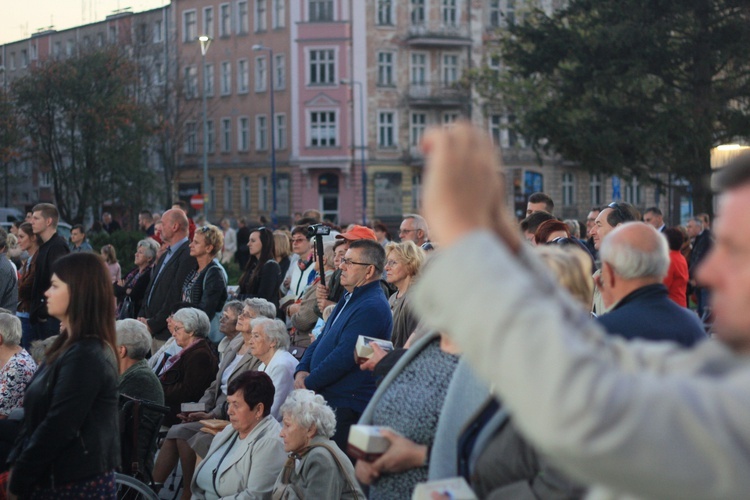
x=403 y=262
x=282 y=240
x=572 y=269
x=205 y=286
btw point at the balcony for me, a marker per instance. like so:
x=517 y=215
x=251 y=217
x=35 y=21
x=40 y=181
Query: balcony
x=438 y=35
x=437 y=95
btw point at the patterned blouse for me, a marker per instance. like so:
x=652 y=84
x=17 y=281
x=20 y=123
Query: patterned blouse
x=14 y=376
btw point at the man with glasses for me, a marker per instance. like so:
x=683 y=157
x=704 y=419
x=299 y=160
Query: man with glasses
x=609 y=218
x=328 y=365
x=300 y=266
x=414 y=228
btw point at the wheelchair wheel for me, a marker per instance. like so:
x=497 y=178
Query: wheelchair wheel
x=129 y=488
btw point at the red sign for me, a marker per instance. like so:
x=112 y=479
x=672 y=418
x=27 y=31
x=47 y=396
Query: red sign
x=196 y=201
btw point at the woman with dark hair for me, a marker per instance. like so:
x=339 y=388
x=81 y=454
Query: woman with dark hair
x=262 y=276
x=551 y=230
x=247 y=456
x=29 y=243
x=676 y=279
x=69 y=443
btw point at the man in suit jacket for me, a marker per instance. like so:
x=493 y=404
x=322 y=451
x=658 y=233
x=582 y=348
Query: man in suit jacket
x=165 y=287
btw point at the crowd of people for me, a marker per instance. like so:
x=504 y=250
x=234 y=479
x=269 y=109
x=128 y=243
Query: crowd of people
x=529 y=359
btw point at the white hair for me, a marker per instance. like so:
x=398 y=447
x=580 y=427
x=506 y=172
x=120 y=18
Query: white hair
x=308 y=409
x=134 y=336
x=275 y=330
x=10 y=329
x=632 y=262
x=194 y=321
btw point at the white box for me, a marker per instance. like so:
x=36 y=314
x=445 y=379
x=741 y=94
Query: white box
x=366 y=442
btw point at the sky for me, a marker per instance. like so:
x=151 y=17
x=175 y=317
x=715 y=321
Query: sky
x=21 y=18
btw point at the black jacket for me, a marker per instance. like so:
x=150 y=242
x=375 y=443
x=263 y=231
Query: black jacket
x=210 y=290
x=69 y=431
x=48 y=253
x=167 y=290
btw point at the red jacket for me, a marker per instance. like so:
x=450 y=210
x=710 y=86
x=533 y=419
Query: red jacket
x=677 y=278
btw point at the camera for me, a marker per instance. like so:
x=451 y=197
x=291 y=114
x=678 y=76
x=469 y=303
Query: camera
x=318 y=230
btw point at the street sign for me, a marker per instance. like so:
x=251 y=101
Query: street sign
x=196 y=201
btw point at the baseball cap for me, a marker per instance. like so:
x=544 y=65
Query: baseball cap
x=358 y=233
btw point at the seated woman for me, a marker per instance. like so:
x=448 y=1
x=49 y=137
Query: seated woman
x=404 y=260
x=247 y=456
x=187 y=374
x=185 y=441
x=134 y=285
x=323 y=471
x=269 y=342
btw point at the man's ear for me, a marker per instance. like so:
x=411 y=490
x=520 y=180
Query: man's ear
x=610 y=277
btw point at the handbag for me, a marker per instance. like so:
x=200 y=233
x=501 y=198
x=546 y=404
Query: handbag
x=287 y=489
x=127 y=309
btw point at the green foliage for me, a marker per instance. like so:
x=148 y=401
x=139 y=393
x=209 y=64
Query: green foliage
x=628 y=87
x=84 y=123
x=125 y=243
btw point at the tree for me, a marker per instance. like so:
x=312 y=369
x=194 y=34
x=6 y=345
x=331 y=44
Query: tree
x=10 y=137
x=84 y=124
x=628 y=87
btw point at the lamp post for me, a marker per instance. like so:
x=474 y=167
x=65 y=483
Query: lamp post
x=205 y=41
x=272 y=124
x=362 y=146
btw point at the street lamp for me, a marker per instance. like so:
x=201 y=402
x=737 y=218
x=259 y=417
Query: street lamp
x=362 y=146
x=272 y=123
x=205 y=41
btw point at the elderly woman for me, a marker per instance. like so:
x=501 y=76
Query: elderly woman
x=247 y=456
x=269 y=342
x=324 y=471
x=16 y=365
x=131 y=290
x=139 y=382
x=185 y=441
x=187 y=374
x=205 y=286
x=403 y=263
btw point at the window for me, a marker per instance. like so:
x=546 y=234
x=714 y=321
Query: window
x=568 y=189
x=191 y=145
x=279 y=132
x=113 y=33
x=495 y=64
x=510 y=12
x=260 y=74
x=496 y=129
x=57 y=49
x=243 y=133
x=24 y=58
x=450 y=69
x=34 y=52
x=243 y=76
x=142 y=33
x=416 y=193
x=191 y=82
x=503 y=133
x=449 y=12
x=449 y=118
x=418 y=126
x=418 y=68
x=158 y=31
x=245 y=193
x=226 y=135
x=227 y=193
x=595 y=189
x=322 y=67
x=323 y=129
x=100 y=39
x=495 y=14
x=260 y=15
x=189 y=26
x=225 y=19
x=320 y=10
x=279 y=68
x=385 y=12
x=385 y=68
x=262 y=192
x=386 y=129
x=208 y=79
x=226 y=78
x=210 y=136
x=417 y=12
x=633 y=192
x=158 y=73
x=70 y=47
x=278 y=16
x=261 y=132
x=242 y=23
x=208 y=21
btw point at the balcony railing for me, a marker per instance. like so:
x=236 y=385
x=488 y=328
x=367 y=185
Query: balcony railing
x=438 y=34
x=439 y=94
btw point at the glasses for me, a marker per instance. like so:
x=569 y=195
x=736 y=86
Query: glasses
x=391 y=263
x=406 y=231
x=247 y=315
x=349 y=262
x=204 y=229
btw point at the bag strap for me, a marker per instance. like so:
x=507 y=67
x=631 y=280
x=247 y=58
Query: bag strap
x=339 y=465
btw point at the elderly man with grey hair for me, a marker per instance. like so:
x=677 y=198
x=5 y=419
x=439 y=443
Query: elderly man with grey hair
x=139 y=382
x=8 y=276
x=635 y=259
x=269 y=342
x=414 y=228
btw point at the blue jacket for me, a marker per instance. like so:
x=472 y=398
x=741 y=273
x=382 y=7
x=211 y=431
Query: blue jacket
x=330 y=359
x=648 y=313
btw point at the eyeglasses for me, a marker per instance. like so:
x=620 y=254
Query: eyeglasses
x=204 y=229
x=406 y=231
x=391 y=263
x=349 y=262
x=246 y=315
x=617 y=208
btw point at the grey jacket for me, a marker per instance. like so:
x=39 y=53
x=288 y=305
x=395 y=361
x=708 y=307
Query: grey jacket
x=213 y=398
x=643 y=419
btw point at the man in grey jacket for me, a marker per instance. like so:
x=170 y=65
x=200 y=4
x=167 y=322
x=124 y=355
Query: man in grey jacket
x=648 y=420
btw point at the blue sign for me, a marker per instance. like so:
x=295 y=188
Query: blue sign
x=616 y=188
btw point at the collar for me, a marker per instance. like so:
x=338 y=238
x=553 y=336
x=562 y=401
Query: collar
x=648 y=292
x=358 y=290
